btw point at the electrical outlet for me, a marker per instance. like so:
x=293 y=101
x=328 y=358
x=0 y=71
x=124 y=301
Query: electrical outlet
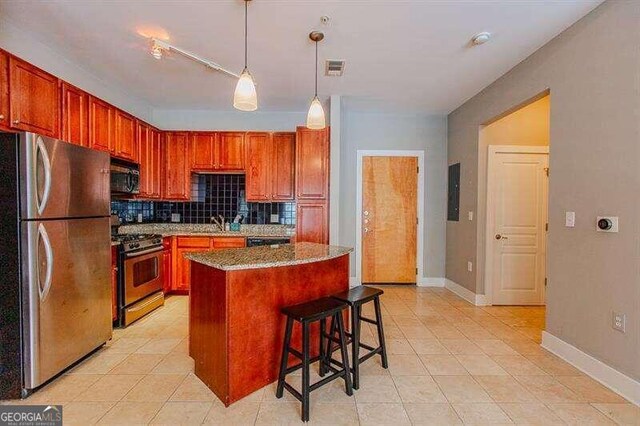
x=619 y=321
x=470 y=266
x=470 y=214
x=570 y=219
x=175 y=217
x=274 y=218
x=139 y=217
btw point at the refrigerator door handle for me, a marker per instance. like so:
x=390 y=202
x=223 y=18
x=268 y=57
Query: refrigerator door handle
x=46 y=164
x=43 y=287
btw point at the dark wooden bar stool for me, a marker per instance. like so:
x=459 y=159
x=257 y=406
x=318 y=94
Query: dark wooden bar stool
x=307 y=313
x=355 y=298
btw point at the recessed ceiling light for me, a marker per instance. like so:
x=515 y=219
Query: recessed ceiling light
x=481 y=38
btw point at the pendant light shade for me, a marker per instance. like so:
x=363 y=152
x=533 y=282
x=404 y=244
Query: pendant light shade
x=315 y=116
x=245 y=97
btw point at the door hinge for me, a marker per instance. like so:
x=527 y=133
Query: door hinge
x=546 y=226
x=417 y=221
x=416 y=271
x=545 y=282
x=546 y=170
x=418 y=169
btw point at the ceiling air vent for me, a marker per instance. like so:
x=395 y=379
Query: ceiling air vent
x=334 y=68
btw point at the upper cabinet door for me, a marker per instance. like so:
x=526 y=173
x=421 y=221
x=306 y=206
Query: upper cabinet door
x=312 y=164
x=33 y=99
x=126 y=142
x=177 y=166
x=4 y=90
x=231 y=151
x=203 y=151
x=156 y=154
x=282 y=166
x=101 y=125
x=146 y=160
x=75 y=115
x=258 y=170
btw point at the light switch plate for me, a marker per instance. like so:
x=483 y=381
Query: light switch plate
x=619 y=321
x=274 y=218
x=470 y=266
x=570 y=219
x=470 y=216
x=175 y=217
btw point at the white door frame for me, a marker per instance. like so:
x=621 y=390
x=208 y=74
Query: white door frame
x=491 y=181
x=420 y=207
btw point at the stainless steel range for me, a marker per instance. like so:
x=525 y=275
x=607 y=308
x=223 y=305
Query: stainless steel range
x=140 y=278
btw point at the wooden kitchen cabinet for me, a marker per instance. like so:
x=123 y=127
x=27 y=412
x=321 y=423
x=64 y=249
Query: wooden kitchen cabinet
x=125 y=136
x=114 y=283
x=33 y=99
x=166 y=265
x=228 y=242
x=177 y=183
x=259 y=167
x=312 y=164
x=74 y=115
x=150 y=158
x=203 y=151
x=101 y=125
x=283 y=166
x=156 y=176
x=312 y=222
x=4 y=90
x=270 y=166
x=231 y=152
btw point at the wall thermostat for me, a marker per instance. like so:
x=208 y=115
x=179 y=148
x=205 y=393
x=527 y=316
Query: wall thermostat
x=607 y=224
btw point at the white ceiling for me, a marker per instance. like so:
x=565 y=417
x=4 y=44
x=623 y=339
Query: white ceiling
x=401 y=55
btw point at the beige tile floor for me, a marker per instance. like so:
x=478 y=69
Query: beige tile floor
x=450 y=363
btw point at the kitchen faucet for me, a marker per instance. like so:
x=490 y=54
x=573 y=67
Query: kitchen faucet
x=219 y=222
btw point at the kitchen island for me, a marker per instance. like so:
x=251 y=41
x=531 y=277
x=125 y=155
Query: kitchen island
x=236 y=328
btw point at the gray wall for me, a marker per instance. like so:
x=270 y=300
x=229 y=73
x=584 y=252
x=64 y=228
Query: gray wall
x=593 y=73
x=382 y=131
x=230 y=120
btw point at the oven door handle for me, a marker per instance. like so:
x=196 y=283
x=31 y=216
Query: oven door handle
x=143 y=252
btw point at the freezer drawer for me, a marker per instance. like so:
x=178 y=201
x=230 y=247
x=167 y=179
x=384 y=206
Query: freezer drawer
x=67 y=283
x=61 y=180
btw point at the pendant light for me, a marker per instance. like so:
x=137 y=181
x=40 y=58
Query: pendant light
x=315 y=116
x=245 y=97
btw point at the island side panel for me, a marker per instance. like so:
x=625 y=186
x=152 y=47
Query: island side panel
x=208 y=327
x=256 y=325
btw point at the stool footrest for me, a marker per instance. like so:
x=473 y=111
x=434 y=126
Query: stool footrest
x=293 y=391
x=370 y=321
x=367 y=347
x=295 y=353
x=368 y=355
x=299 y=366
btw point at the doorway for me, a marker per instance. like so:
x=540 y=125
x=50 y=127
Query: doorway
x=517 y=224
x=389 y=209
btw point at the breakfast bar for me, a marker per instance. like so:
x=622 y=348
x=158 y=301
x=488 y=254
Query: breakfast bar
x=236 y=328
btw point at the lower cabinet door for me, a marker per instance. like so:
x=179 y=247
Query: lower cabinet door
x=312 y=222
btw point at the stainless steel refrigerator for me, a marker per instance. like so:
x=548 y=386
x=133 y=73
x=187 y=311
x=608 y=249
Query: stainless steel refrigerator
x=57 y=255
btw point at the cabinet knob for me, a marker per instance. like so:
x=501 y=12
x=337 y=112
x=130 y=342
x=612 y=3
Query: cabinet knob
x=16 y=121
x=1 y=116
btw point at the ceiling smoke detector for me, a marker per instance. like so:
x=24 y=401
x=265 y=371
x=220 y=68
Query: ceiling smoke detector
x=334 y=68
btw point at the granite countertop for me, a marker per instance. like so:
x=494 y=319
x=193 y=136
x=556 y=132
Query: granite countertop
x=194 y=229
x=267 y=256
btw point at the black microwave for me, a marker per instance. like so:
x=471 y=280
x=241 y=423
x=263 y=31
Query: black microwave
x=125 y=177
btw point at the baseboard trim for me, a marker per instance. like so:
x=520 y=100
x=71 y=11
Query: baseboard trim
x=430 y=282
x=468 y=295
x=608 y=376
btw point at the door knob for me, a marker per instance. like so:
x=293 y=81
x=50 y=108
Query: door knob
x=501 y=237
x=366 y=229
x=366 y=213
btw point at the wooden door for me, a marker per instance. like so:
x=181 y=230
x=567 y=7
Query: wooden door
x=203 y=151
x=231 y=151
x=283 y=166
x=146 y=160
x=101 y=125
x=177 y=166
x=34 y=99
x=259 y=166
x=156 y=163
x=389 y=219
x=75 y=115
x=312 y=219
x=312 y=164
x=4 y=90
x=518 y=211
x=125 y=136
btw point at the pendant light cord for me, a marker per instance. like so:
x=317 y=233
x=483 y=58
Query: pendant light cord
x=316 y=69
x=245 y=33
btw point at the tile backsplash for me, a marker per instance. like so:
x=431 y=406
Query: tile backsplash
x=211 y=195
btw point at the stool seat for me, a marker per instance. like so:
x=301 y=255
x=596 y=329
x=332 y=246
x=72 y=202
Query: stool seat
x=314 y=310
x=360 y=294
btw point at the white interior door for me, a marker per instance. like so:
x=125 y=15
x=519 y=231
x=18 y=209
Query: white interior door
x=518 y=212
